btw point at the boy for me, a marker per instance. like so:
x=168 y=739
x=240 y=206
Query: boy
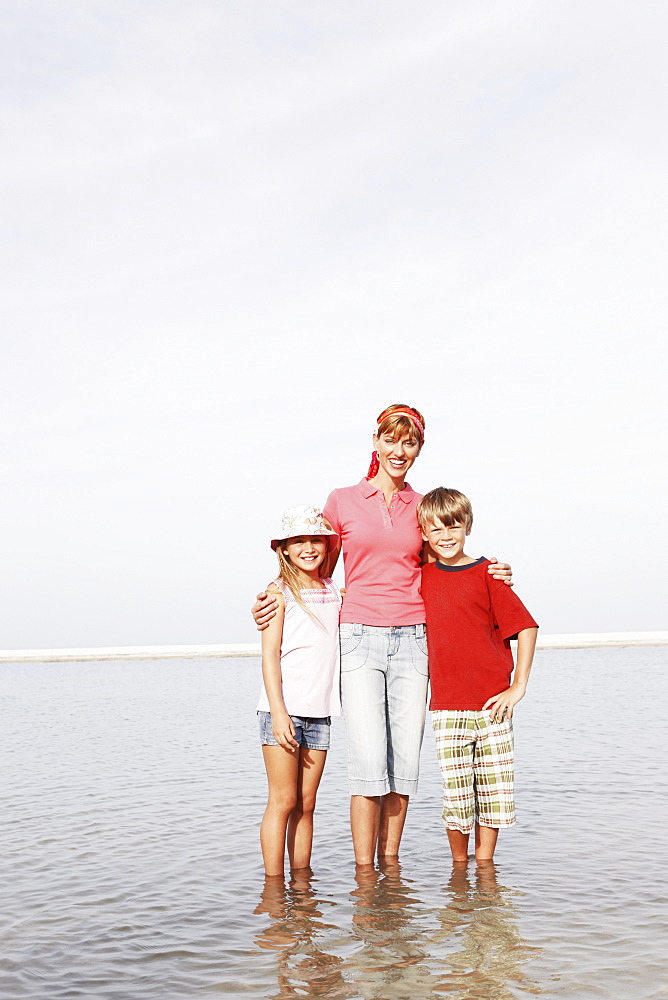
x=470 y=619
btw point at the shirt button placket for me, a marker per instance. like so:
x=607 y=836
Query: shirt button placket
x=387 y=520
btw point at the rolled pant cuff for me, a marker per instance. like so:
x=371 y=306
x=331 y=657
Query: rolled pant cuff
x=358 y=786
x=403 y=786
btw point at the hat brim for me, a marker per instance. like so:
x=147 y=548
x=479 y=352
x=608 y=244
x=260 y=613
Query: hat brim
x=331 y=536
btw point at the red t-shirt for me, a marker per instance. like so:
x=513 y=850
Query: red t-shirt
x=470 y=618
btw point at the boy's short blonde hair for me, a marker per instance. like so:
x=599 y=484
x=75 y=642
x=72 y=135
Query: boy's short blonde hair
x=447 y=506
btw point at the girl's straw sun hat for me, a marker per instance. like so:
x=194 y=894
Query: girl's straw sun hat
x=304 y=520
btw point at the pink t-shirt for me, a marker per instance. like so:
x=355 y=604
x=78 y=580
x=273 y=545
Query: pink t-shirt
x=381 y=554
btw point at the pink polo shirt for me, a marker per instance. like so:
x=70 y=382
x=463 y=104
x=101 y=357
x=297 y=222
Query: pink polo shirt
x=381 y=554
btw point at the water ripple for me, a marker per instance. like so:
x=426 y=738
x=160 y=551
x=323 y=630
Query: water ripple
x=130 y=802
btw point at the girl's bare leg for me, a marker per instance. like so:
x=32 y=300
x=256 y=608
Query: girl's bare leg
x=485 y=842
x=282 y=768
x=459 y=844
x=300 y=824
x=364 y=824
x=393 y=807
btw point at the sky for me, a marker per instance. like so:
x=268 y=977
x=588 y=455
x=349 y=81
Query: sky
x=233 y=233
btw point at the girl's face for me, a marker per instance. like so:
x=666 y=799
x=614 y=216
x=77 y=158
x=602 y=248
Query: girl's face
x=396 y=455
x=306 y=552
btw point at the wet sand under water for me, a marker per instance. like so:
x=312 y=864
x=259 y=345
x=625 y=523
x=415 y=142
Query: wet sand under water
x=131 y=794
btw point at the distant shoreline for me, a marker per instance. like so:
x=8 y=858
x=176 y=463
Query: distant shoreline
x=579 y=640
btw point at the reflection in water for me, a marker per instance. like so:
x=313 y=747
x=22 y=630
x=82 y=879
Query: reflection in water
x=393 y=960
x=115 y=881
x=297 y=936
x=467 y=949
x=478 y=919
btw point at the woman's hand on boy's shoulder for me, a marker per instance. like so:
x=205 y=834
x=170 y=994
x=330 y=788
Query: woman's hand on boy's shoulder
x=265 y=606
x=500 y=571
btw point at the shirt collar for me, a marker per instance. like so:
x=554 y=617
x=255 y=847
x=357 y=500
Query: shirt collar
x=367 y=490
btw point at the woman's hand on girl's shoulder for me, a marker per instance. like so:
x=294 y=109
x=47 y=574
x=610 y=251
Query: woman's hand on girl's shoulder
x=500 y=571
x=265 y=606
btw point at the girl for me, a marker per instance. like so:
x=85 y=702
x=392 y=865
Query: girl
x=300 y=670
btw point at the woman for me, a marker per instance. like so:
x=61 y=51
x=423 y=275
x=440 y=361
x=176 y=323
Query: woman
x=384 y=674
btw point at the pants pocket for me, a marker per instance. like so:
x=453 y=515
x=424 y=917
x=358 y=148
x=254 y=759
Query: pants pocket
x=419 y=654
x=354 y=647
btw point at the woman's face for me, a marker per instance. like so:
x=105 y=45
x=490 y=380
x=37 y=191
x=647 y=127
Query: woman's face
x=396 y=455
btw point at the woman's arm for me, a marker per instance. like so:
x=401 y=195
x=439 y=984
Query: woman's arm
x=282 y=726
x=264 y=609
x=331 y=519
x=331 y=559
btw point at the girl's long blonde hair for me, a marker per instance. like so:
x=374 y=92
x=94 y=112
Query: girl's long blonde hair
x=288 y=574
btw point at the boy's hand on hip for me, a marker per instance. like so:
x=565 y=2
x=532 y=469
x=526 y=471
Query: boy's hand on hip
x=501 y=705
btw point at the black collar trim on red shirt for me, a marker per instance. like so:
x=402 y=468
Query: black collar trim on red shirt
x=458 y=569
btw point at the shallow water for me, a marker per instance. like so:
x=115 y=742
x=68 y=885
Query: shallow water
x=131 y=795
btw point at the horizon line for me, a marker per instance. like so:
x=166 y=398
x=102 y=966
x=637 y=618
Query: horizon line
x=566 y=640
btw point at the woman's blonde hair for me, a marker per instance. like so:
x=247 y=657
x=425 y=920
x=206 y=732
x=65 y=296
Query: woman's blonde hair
x=290 y=577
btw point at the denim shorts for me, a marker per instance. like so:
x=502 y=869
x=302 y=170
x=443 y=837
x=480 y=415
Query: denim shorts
x=310 y=733
x=384 y=681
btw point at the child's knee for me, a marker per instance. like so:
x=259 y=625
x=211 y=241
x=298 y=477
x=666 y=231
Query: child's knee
x=283 y=802
x=305 y=805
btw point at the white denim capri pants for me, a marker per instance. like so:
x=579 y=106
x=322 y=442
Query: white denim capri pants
x=384 y=680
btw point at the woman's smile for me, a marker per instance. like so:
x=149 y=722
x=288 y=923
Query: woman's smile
x=395 y=456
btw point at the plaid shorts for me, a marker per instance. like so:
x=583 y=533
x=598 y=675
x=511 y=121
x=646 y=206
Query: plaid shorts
x=476 y=760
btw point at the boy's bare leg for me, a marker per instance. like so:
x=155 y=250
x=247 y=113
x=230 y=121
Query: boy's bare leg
x=364 y=824
x=459 y=844
x=393 y=807
x=485 y=842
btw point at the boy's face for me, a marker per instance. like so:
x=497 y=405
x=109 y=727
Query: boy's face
x=446 y=541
